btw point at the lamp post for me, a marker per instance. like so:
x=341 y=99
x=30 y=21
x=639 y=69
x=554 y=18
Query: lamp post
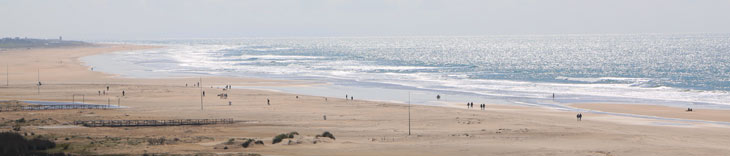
x=201 y=93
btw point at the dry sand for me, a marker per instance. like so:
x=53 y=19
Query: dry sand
x=360 y=127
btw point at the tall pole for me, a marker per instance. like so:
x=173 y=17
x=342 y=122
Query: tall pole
x=39 y=81
x=409 y=113
x=201 y=93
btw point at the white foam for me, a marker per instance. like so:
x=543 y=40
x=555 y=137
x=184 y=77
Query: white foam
x=207 y=58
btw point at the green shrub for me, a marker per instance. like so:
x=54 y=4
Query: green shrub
x=278 y=138
x=291 y=134
x=326 y=134
x=248 y=142
x=156 y=141
x=15 y=144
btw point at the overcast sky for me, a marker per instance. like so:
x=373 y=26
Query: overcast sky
x=160 y=19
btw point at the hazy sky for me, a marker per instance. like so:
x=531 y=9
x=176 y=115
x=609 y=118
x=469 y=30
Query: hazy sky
x=159 y=19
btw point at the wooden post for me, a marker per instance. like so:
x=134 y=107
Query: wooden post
x=201 y=93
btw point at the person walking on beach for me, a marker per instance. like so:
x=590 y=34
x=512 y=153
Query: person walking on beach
x=107 y=88
x=438 y=97
x=579 y=116
x=99 y=93
x=122 y=92
x=268 y=102
x=345 y=96
x=352 y=98
x=203 y=93
x=230 y=103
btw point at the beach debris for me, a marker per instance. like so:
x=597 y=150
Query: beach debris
x=223 y=95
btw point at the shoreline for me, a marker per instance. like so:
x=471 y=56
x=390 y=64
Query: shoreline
x=602 y=107
x=362 y=127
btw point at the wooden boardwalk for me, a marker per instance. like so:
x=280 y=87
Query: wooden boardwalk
x=134 y=123
x=53 y=107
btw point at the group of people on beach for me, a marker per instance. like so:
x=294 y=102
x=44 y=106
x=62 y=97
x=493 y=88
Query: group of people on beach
x=471 y=105
x=194 y=84
x=107 y=89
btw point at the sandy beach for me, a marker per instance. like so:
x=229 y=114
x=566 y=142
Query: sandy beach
x=361 y=127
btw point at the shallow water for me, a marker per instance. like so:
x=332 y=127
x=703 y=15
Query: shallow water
x=684 y=70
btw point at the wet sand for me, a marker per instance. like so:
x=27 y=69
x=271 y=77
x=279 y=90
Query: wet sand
x=661 y=111
x=360 y=127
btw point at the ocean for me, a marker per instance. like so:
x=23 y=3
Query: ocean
x=691 y=70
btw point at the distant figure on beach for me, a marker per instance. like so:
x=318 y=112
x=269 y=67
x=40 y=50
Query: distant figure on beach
x=297 y=97
x=186 y=84
x=39 y=83
x=689 y=109
x=229 y=103
x=122 y=93
x=579 y=116
x=352 y=98
x=99 y=93
x=553 y=95
x=268 y=102
x=203 y=93
x=438 y=97
x=467 y=104
x=345 y=96
x=92 y=68
x=104 y=92
x=483 y=106
x=324 y=116
x=107 y=88
x=325 y=99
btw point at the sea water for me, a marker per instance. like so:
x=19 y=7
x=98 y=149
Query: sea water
x=691 y=70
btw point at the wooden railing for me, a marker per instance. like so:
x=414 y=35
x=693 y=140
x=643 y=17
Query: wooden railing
x=53 y=107
x=134 y=123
